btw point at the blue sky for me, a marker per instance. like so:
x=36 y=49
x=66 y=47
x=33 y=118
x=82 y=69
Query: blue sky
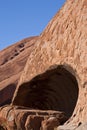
x=23 y=18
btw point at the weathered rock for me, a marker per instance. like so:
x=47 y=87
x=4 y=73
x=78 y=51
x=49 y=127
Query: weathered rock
x=50 y=123
x=63 y=43
x=53 y=122
x=67 y=127
x=82 y=127
x=20 y=118
x=55 y=75
x=3 y=124
x=12 y=62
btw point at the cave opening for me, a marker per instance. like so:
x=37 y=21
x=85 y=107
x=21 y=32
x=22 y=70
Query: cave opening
x=55 y=89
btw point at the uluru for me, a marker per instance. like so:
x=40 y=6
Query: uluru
x=43 y=79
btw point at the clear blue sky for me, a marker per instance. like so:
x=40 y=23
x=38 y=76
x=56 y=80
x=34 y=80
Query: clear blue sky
x=23 y=18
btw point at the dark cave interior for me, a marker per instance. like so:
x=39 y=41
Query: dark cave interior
x=55 y=89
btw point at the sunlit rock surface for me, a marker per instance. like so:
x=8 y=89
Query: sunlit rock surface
x=55 y=75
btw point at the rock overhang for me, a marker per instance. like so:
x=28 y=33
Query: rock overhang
x=55 y=89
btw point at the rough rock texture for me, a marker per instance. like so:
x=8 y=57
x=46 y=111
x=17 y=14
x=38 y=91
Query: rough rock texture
x=20 y=118
x=55 y=75
x=47 y=91
x=12 y=62
x=63 y=42
x=80 y=126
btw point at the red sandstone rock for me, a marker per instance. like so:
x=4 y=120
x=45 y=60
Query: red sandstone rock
x=55 y=75
x=50 y=123
x=33 y=122
x=63 y=43
x=3 y=124
x=20 y=118
x=12 y=62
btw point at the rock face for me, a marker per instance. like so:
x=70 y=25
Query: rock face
x=55 y=75
x=47 y=91
x=12 y=62
x=63 y=43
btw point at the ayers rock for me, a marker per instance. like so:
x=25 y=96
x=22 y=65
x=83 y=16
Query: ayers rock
x=55 y=75
x=12 y=62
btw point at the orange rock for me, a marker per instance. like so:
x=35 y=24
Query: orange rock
x=12 y=62
x=63 y=43
x=55 y=75
x=15 y=118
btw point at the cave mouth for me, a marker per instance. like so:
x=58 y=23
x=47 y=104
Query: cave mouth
x=56 y=89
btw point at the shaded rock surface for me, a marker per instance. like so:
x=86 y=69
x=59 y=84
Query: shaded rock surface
x=20 y=118
x=47 y=91
x=12 y=62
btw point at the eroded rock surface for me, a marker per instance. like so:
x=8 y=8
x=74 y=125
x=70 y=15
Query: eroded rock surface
x=55 y=75
x=20 y=118
x=63 y=42
x=55 y=89
x=12 y=62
